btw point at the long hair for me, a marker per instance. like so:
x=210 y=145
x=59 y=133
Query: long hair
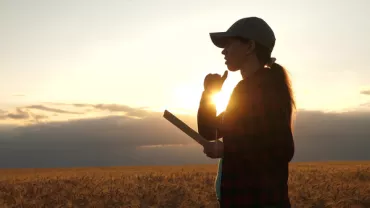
x=279 y=79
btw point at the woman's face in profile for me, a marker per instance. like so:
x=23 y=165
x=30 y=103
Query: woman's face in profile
x=235 y=52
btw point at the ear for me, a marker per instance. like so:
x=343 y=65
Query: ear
x=250 y=46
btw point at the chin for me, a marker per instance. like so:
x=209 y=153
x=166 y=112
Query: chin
x=232 y=68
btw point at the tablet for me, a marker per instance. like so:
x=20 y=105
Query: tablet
x=185 y=128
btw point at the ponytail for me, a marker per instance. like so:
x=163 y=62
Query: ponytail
x=280 y=80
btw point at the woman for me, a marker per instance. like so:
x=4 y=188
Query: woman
x=257 y=142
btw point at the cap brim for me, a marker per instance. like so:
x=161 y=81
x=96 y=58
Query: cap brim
x=219 y=38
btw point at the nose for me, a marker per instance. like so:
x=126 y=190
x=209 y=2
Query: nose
x=224 y=51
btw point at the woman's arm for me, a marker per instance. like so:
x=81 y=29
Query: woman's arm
x=208 y=121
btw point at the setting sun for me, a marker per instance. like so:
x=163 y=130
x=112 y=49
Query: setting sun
x=221 y=99
x=186 y=97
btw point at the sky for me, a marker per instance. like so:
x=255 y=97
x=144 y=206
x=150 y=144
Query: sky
x=155 y=54
x=86 y=82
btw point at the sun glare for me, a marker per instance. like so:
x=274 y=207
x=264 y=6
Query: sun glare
x=220 y=100
x=187 y=96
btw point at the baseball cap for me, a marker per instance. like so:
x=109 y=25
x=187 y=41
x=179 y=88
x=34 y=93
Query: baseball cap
x=252 y=28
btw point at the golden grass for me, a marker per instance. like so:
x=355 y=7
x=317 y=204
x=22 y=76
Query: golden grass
x=311 y=185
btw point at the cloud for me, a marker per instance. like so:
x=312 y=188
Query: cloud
x=23 y=115
x=129 y=111
x=124 y=140
x=114 y=107
x=19 y=114
x=69 y=104
x=55 y=110
x=81 y=105
x=110 y=140
x=365 y=92
x=139 y=112
x=151 y=130
x=37 y=118
x=19 y=95
x=27 y=114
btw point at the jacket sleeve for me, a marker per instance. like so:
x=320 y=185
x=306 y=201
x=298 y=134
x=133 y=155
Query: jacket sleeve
x=261 y=132
x=208 y=122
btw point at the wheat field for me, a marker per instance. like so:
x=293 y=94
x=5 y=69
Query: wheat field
x=333 y=184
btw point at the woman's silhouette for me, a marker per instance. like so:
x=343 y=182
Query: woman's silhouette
x=257 y=142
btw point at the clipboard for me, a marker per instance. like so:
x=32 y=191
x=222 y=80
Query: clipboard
x=185 y=128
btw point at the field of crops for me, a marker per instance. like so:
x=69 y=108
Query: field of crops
x=337 y=184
